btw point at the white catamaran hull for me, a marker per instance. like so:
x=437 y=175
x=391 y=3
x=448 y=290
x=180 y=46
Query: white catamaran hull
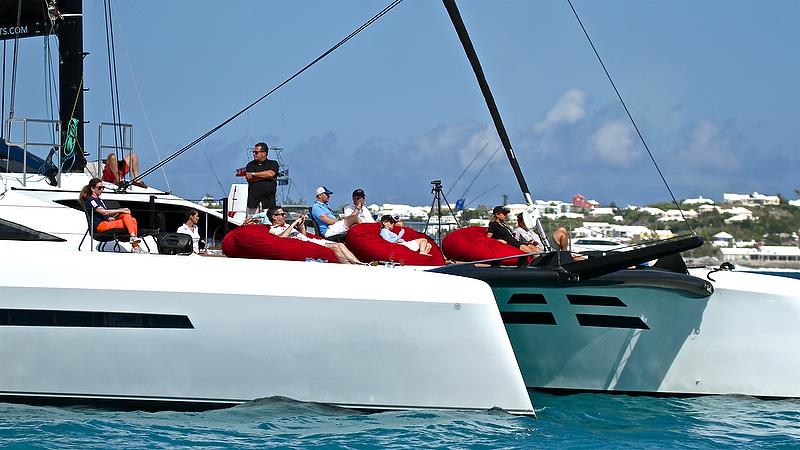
x=743 y=339
x=194 y=332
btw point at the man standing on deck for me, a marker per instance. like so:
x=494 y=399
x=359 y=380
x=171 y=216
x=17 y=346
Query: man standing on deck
x=261 y=174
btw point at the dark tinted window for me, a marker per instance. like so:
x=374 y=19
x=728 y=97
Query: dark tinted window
x=10 y=231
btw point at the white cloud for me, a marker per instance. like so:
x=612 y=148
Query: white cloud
x=708 y=147
x=614 y=144
x=569 y=109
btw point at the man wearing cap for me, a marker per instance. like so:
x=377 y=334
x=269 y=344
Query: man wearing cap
x=500 y=231
x=327 y=221
x=261 y=174
x=359 y=199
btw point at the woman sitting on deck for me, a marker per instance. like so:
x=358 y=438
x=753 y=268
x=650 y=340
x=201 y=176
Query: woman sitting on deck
x=297 y=230
x=103 y=218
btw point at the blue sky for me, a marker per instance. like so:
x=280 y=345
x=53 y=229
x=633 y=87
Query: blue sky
x=713 y=85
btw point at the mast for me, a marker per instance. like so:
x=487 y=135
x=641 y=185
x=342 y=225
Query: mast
x=463 y=36
x=70 y=73
x=64 y=18
x=532 y=217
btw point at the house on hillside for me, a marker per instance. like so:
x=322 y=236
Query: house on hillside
x=754 y=199
x=722 y=239
x=698 y=201
x=652 y=211
x=677 y=215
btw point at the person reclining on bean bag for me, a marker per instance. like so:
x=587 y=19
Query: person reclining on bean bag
x=500 y=231
x=327 y=221
x=420 y=245
x=297 y=230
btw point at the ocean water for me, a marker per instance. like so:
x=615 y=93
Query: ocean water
x=576 y=421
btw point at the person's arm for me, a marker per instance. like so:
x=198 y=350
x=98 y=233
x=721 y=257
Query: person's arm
x=109 y=213
x=268 y=174
x=389 y=235
x=327 y=219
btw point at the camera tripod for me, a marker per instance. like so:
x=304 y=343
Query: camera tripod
x=438 y=196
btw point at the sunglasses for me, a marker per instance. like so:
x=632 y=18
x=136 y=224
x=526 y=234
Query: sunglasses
x=279 y=214
x=258 y=151
x=99 y=187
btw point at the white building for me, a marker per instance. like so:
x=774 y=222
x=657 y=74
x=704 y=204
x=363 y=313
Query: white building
x=698 y=201
x=628 y=232
x=673 y=215
x=722 y=239
x=604 y=211
x=795 y=202
x=405 y=212
x=652 y=211
x=754 y=199
x=766 y=256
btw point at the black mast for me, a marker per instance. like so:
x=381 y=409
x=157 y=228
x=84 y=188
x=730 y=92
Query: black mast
x=64 y=18
x=532 y=216
x=70 y=73
x=463 y=36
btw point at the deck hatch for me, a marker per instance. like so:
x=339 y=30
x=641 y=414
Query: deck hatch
x=90 y=319
x=528 y=318
x=604 y=321
x=594 y=300
x=530 y=299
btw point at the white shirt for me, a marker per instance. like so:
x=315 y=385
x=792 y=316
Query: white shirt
x=295 y=234
x=527 y=236
x=364 y=215
x=194 y=233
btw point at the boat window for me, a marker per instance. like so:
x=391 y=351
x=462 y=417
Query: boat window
x=10 y=231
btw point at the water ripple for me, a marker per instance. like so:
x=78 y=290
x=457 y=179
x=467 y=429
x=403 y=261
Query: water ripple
x=577 y=421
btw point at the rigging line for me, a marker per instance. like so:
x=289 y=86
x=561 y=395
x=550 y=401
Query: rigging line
x=467 y=168
x=141 y=104
x=481 y=195
x=14 y=68
x=110 y=78
x=211 y=166
x=464 y=195
x=3 y=100
x=48 y=69
x=630 y=117
x=358 y=30
x=116 y=81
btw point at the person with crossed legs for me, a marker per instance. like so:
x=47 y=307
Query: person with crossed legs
x=297 y=230
x=103 y=218
x=327 y=221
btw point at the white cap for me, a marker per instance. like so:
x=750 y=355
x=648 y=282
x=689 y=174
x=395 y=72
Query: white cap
x=323 y=190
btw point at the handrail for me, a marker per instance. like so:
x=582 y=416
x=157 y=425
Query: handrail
x=26 y=143
x=126 y=134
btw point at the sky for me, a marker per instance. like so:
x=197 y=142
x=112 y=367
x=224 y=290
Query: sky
x=713 y=86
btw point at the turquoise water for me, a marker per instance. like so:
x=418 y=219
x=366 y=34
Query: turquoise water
x=577 y=421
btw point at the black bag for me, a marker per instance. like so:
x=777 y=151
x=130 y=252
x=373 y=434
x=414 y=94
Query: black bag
x=174 y=244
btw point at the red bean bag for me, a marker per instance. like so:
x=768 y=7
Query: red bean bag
x=255 y=241
x=471 y=244
x=365 y=241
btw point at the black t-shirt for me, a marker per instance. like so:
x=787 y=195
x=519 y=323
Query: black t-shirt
x=500 y=231
x=262 y=191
